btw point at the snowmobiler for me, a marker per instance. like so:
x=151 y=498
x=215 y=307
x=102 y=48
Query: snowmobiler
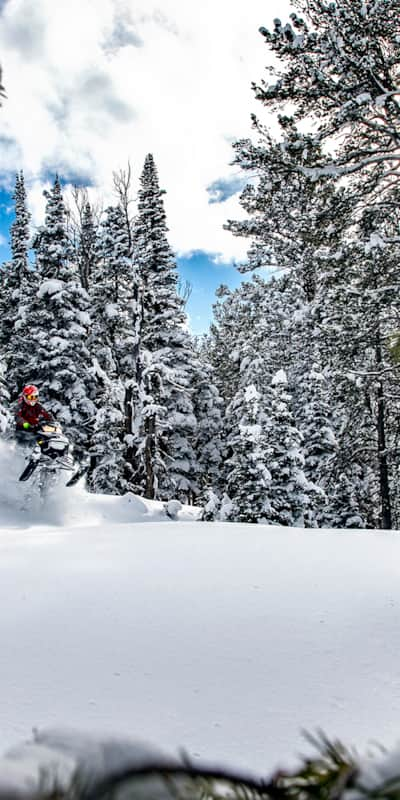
x=30 y=413
x=51 y=451
x=51 y=455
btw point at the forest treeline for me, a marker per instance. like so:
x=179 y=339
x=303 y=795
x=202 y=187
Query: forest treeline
x=287 y=411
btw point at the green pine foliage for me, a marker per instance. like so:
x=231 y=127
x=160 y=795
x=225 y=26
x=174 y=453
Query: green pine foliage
x=322 y=211
x=167 y=424
x=208 y=412
x=57 y=357
x=248 y=479
x=18 y=288
x=114 y=345
x=107 y=345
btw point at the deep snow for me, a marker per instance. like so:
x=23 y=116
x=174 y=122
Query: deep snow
x=226 y=640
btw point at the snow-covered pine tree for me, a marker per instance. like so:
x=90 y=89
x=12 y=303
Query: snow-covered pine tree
x=222 y=342
x=208 y=408
x=358 y=307
x=114 y=343
x=264 y=468
x=291 y=492
x=114 y=291
x=344 y=56
x=340 y=60
x=301 y=220
x=289 y=212
x=167 y=421
x=249 y=317
x=51 y=242
x=246 y=345
x=55 y=354
x=263 y=348
x=247 y=477
x=308 y=385
x=315 y=419
x=294 y=223
x=18 y=285
x=20 y=235
x=107 y=471
x=338 y=71
x=344 y=507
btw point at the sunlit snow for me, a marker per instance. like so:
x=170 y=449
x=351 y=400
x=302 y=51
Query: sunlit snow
x=224 y=639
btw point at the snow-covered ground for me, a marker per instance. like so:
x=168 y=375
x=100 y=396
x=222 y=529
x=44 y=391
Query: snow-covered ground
x=226 y=640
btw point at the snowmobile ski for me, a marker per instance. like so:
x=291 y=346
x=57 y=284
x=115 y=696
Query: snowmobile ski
x=30 y=467
x=77 y=476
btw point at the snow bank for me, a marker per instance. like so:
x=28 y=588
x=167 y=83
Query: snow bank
x=53 y=757
x=20 y=506
x=225 y=639
x=63 y=758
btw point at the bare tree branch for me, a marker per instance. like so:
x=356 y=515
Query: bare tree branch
x=184 y=289
x=122 y=186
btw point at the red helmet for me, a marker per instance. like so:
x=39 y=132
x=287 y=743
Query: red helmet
x=30 y=394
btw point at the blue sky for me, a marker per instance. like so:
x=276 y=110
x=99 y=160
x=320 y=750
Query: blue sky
x=204 y=276
x=93 y=85
x=6 y=218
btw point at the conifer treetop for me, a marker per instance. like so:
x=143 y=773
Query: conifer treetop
x=51 y=243
x=20 y=231
x=340 y=70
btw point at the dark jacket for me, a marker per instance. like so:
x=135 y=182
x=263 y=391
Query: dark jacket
x=32 y=414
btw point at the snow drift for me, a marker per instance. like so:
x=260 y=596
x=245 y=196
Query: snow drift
x=225 y=639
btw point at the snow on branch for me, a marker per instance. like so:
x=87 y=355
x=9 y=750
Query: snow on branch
x=111 y=769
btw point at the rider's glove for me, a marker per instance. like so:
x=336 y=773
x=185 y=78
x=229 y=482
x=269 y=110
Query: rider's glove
x=26 y=426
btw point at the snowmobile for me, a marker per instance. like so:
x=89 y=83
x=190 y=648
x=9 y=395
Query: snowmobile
x=50 y=456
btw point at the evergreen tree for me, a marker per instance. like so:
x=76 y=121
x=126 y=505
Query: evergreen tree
x=291 y=493
x=315 y=419
x=340 y=59
x=20 y=235
x=264 y=470
x=114 y=293
x=253 y=325
x=114 y=343
x=18 y=285
x=359 y=298
x=107 y=473
x=167 y=425
x=222 y=349
x=207 y=407
x=51 y=243
x=55 y=355
x=301 y=219
x=248 y=479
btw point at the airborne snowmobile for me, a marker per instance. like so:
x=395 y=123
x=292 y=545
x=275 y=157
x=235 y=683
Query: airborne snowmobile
x=50 y=456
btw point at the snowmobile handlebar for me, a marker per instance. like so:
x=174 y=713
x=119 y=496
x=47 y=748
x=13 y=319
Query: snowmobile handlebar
x=29 y=428
x=48 y=427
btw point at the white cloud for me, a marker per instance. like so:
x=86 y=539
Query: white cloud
x=93 y=83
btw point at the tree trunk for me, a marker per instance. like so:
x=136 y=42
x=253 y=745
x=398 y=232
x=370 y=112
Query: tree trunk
x=386 y=511
x=149 y=458
x=128 y=425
